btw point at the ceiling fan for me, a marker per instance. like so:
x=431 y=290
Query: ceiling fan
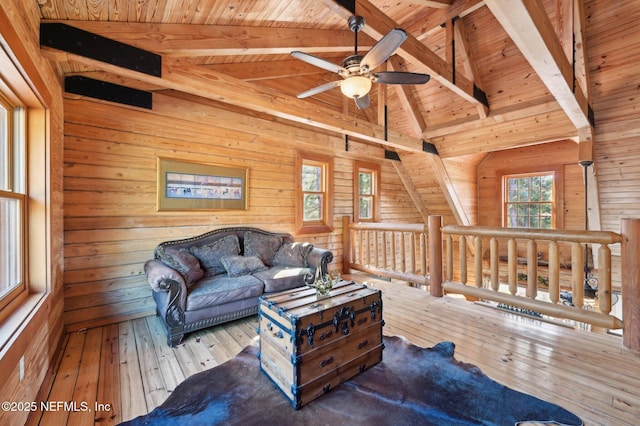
x=357 y=70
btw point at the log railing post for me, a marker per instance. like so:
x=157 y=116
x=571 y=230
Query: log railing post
x=630 y=230
x=346 y=244
x=435 y=255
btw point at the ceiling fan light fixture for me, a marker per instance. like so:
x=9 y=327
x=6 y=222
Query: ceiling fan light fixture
x=356 y=86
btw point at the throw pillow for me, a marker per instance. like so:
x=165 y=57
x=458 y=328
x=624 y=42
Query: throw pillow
x=182 y=261
x=237 y=266
x=262 y=246
x=210 y=255
x=293 y=254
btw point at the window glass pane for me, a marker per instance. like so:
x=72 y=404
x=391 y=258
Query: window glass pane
x=4 y=148
x=523 y=209
x=523 y=189
x=535 y=182
x=365 y=183
x=312 y=207
x=529 y=201
x=366 y=207
x=546 y=185
x=534 y=194
x=311 y=178
x=10 y=244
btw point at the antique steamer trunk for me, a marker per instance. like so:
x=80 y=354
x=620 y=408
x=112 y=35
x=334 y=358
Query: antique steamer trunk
x=309 y=345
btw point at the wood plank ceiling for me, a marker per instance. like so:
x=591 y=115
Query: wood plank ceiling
x=237 y=52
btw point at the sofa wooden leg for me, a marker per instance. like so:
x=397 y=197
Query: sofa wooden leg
x=174 y=340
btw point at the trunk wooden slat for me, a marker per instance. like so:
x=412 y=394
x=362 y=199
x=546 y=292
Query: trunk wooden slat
x=309 y=345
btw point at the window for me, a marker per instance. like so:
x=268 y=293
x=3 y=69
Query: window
x=366 y=190
x=12 y=201
x=314 y=201
x=529 y=201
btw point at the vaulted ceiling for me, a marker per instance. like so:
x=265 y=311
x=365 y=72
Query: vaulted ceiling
x=504 y=73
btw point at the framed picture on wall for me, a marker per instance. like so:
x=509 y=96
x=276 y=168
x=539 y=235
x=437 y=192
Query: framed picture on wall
x=187 y=185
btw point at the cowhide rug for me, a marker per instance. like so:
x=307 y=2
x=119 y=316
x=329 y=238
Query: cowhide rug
x=411 y=386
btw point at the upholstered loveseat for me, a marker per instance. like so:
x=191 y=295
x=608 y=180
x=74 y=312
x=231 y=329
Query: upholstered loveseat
x=219 y=276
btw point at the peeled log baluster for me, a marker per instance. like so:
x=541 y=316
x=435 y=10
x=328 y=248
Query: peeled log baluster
x=532 y=269
x=478 y=258
x=512 y=264
x=604 y=278
x=463 y=259
x=554 y=272
x=577 y=274
x=495 y=263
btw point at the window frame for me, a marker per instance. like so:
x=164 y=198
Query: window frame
x=14 y=163
x=325 y=224
x=557 y=217
x=35 y=131
x=374 y=169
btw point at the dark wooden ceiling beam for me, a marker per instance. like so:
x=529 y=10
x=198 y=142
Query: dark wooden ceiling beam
x=214 y=40
x=200 y=81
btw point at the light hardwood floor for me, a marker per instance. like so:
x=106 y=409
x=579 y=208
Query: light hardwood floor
x=129 y=369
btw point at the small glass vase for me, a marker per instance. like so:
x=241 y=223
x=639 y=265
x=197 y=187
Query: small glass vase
x=324 y=283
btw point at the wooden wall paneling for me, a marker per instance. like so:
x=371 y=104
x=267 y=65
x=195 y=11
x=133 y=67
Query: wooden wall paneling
x=110 y=191
x=428 y=186
x=398 y=206
x=464 y=176
x=573 y=197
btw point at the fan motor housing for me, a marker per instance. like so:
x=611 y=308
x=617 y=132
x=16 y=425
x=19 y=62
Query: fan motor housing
x=352 y=62
x=356 y=23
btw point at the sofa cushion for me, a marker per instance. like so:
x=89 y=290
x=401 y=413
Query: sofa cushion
x=279 y=278
x=182 y=261
x=210 y=255
x=262 y=245
x=220 y=289
x=293 y=254
x=242 y=265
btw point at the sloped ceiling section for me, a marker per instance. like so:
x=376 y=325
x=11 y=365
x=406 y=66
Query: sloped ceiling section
x=500 y=71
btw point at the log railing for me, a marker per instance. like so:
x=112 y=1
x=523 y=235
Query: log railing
x=426 y=254
x=494 y=238
x=394 y=250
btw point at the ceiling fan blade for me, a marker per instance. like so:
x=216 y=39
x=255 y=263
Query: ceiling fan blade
x=400 y=77
x=319 y=89
x=363 y=101
x=384 y=48
x=318 y=62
